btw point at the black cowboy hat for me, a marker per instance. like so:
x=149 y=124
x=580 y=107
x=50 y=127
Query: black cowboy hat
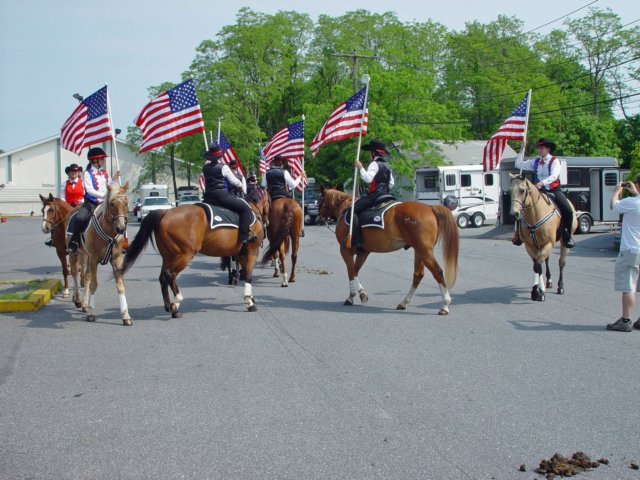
x=376 y=146
x=233 y=162
x=95 y=153
x=72 y=168
x=278 y=159
x=545 y=142
x=214 y=152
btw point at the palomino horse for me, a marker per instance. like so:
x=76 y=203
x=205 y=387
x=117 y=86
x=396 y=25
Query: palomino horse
x=406 y=225
x=103 y=242
x=542 y=223
x=55 y=213
x=182 y=232
x=285 y=227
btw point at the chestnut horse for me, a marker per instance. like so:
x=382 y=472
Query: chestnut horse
x=406 y=225
x=541 y=221
x=55 y=213
x=285 y=227
x=182 y=232
x=103 y=242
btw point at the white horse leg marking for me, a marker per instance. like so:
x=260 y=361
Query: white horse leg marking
x=92 y=301
x=407 y=298
x=177 y=299
x=124 y=308
x=248 y=297
x=352 y=292
x=364 y=298
x=446 y=299
x=285 y=280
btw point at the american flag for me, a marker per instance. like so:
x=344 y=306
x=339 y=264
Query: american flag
x=88 y=124
x=513 y=128
x=295 y=165
x=345 y=121
x=229 y=152
x=288 y=142
x=171 y=115
x=262 y=167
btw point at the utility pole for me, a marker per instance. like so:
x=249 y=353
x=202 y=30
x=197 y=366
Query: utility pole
x=354 y=64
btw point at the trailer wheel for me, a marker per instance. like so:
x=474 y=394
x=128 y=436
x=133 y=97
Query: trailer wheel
x=477 y=220
x=463 y=220
x=584 y=224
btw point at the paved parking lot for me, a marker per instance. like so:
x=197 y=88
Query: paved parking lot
x=309 y=388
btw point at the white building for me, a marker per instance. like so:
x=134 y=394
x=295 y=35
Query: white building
x=38 y=168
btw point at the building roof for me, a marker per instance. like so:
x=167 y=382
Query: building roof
x=40 y=142
x=465 y=152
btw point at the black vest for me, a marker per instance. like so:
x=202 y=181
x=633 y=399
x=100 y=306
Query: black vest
x=213 y=178
x=380 y=183
x=275 y=179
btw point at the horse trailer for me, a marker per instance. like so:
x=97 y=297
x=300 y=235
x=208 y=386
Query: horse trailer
x=472 y=195
x=588 y=183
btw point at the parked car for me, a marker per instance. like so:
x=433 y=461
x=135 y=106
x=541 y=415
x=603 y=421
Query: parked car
x=189 y=199
x=150 y=204
x=311 y=208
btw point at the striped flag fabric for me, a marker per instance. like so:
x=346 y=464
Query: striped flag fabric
x=513 y=128
x=262 y=166
x=288 y=142
x=229 y=152
x=171 y=115
x=345 y=121
x=295 y=166
x=88 y=125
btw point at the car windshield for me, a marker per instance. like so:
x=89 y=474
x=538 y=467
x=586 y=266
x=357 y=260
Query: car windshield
x=156 y=201
x=310 y=194
x=190 y=198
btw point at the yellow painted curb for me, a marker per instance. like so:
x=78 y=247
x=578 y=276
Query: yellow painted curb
x=35 y=301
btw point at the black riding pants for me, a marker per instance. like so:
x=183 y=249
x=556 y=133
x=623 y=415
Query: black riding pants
x=364 y=202
x=279 y=192
x=242 y=208
x=565 y=208
x=82 y=219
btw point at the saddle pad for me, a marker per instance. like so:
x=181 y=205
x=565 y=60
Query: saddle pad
x=373 y=217
x=223 y=217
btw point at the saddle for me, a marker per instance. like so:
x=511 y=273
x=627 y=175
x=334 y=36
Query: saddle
x=374 y=215
x=218 y=216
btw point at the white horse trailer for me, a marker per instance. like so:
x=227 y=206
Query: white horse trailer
x=472 y=195
x=588 y=183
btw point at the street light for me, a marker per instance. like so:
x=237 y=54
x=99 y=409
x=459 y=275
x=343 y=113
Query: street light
x=78 y=97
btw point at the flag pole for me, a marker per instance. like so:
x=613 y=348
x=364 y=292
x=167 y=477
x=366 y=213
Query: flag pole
x=526 y=128
x=302 y=174
x=206 y=145
x=219 y=124
x=113 y=135
x=355 y=167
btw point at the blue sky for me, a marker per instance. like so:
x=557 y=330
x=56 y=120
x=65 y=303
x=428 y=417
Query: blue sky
x=50 y=50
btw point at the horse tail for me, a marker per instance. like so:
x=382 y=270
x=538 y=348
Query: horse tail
x=283 y=233
x=147 y=228
x=449 y=236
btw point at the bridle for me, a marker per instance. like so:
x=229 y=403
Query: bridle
x=109 y=216
x=527 y=193
x=56 y=211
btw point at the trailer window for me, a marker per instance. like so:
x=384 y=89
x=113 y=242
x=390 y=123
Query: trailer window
x=573 y=177
x=430 y=182
x=488 y=179
x=465 y=180
x=450 y=179
x=610 y=179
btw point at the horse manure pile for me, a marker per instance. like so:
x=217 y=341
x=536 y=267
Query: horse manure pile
x=559 y=465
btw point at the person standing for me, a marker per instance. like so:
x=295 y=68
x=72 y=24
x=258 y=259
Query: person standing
x=380 y=179
x=94 y=180
x=547 y=168
x=627 y=268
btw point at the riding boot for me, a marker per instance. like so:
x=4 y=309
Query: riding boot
x=567 y=238
x=517 y=241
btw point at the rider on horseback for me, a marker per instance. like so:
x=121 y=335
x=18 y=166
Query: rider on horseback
x=278 y=180
x=252 y=188
x=547 y=168
x=380 y=179
x=217 y=175
x=95 y=180
x=237 y=171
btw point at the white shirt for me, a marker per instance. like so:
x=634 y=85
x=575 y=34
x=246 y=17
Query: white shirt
x=101 y=180
x=370 y=173
x=242 y=179
x=630 y=222
x=288 y=180
x=547 y=175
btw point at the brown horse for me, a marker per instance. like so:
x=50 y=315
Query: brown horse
x=285 y=227
x=182 y=232
x=103 y=242
x=406 y=225
x=55 y=213
x=542 y=224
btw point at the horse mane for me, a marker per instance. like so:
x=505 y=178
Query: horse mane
x=336 y=200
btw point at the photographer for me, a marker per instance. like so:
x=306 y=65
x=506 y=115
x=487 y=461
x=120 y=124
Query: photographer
x=627 y=269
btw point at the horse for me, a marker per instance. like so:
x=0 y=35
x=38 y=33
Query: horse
x=231 y=264
x=103 y=242
x=55 y=213
x=284 y=229
x=542 y=222
x=182 y=232
x=406 y=225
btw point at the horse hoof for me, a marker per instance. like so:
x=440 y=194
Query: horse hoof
x=535 y=292
x=284 y=285
x=401 y=307
x=127 y=322
x=442 y=311
x=84 y=309
x=276 y=275
x=176 y=314
x=364 y=298
x=91 y=318
x=77 y=304
x=541 y=297
x=348 y=302
x=549 y=284
x=252 y=308
x=234 y=283
x=560 y=291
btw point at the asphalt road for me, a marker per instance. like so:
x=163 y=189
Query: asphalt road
x=306 y=388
